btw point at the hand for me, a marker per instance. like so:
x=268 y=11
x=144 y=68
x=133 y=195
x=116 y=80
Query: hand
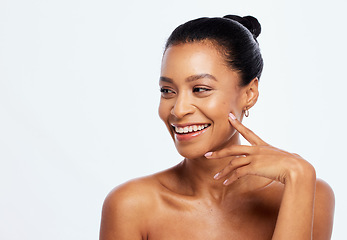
x=260 y=159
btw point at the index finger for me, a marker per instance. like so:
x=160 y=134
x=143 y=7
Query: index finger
x=250 y=136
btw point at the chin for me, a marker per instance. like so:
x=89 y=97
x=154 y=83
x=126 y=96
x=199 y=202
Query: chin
x=191 y=154
x=192 y=147
x=192 y=151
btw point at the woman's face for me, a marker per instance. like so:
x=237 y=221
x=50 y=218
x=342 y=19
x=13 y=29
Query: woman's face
x=198 y=91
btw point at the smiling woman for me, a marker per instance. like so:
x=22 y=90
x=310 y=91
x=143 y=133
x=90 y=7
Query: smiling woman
x=193 y=98
x=221 y=190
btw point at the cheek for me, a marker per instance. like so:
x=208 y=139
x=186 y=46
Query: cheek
x=217 y=112
x=218 y=108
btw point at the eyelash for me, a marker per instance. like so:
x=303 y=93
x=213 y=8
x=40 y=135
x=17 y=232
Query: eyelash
x=165 y=90
x=204 y=89
x=200 y=91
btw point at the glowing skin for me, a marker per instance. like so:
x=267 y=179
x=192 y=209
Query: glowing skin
x=221 y=190
x=203 y=91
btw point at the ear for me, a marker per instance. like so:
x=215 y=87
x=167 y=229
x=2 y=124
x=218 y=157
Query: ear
x=251 y=94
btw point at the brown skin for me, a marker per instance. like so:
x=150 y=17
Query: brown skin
x=270 y=193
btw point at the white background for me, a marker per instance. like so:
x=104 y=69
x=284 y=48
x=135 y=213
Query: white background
x=79 y=96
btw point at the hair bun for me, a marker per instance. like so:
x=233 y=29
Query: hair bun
x=251 y=23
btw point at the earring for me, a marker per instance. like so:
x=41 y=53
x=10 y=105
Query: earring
x=246 y=113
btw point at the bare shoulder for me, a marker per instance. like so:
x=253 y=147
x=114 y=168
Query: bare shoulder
x=132 y=193
x=324 y=194
x=126 y=208
x=323 y=211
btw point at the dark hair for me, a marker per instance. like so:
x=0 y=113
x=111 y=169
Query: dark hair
x=235 y=36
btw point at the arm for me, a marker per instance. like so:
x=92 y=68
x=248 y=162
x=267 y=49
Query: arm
x=305 y=214
x=296 y=214
x=295 y=218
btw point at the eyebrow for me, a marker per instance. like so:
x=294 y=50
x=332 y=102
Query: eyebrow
x=190 y=78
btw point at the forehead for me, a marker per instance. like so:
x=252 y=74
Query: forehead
x=193 y=58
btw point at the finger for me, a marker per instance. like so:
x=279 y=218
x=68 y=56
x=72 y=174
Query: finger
x=250 y=136
x=234 y=150
x=239 y=173
x=234 y=164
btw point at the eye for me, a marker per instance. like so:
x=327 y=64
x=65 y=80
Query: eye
x=201 y=89
x=166 y=92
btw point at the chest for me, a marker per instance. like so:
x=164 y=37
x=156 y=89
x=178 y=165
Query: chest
x=242 y=221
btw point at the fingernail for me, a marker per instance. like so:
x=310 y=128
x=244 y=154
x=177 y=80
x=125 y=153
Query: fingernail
x=208 y=154
x=225 y=182
x=216 y=176
x=232 y=116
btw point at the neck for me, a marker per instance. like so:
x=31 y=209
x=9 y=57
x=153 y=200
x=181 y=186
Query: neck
x=198 y=174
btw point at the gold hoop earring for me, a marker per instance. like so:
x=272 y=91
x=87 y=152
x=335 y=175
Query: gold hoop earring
x=246 y=113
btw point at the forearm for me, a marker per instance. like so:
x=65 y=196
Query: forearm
x=295 y=218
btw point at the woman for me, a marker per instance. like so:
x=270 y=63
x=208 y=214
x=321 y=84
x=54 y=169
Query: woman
x=221 y=190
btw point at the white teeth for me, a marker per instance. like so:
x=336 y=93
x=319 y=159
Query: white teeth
x=192 y=128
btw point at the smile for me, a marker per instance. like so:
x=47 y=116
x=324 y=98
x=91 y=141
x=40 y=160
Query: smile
x=190 y=129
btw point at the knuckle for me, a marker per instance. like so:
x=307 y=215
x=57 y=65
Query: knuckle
x=258 y=149
x=230 y=150
x=229 y=167
x=247 y=131
x=240 y=160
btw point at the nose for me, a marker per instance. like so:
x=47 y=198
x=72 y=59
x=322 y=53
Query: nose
x=183 y=106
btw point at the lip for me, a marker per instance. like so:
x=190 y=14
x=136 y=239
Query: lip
x=188 y=136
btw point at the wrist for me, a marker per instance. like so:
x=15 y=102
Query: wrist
x=301 y=172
